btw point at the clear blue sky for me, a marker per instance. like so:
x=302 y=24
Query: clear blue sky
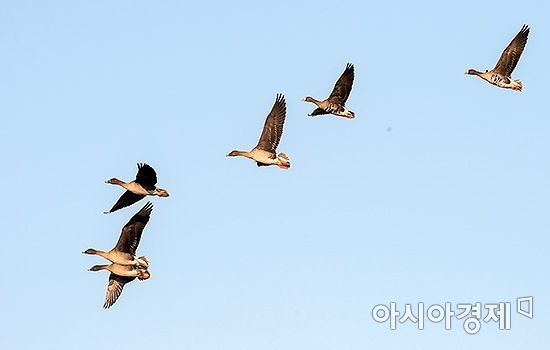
x=451 y=205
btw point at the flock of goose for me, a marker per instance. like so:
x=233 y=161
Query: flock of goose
x=125 y=266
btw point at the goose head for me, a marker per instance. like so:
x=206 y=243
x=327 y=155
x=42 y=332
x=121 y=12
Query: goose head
x=234 y=153
x=90 y=251
x=114 y=181
x=473 y=72
x=308 y=99
x=98 y=268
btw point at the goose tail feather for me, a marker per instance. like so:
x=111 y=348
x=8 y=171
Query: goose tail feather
x=284 y=161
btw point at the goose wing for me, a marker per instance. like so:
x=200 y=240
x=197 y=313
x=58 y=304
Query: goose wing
x=131 y=232
x=128 y=198
x=342 y=88
x=510 y=56
x=273 y=127
x=318 y=111
x=114 y=288
x=146 y=176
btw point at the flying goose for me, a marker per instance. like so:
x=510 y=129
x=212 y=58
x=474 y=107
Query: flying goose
x=143 y=185
x=501 y=74
x=120 y=275
x=125 y=266
x=124 y=252
x=334 y=104
x=265 y=152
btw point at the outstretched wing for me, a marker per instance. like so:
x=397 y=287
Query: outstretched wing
x=318 y=111
x=128 y=198
x=131 y=232
x=510 y=57
x=342 y=88
x=273 y=127
x=114 y=288
x=146 y=176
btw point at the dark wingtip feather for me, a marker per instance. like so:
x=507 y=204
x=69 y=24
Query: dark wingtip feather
x=146 y=210
x=524 y=31
x=281 y=102
x=143 y=165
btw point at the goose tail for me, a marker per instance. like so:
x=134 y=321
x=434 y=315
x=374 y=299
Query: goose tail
x=143 y=262
x=284 y=161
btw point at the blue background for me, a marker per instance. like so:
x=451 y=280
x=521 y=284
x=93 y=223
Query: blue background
x=437 y=192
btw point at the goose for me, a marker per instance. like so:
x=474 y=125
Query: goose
x=143 y=185
x=124 y=252
x=501 y=74
x=335 y=103
x=265 y=152
x=119 y=277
